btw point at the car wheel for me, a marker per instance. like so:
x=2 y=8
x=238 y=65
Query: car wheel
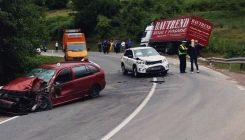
x=124 y=71
x=94 y=92
x=164 y=73
x=46 y=103
x=136 y=74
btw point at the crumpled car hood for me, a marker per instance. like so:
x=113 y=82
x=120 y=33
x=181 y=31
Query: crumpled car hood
x=21 y=84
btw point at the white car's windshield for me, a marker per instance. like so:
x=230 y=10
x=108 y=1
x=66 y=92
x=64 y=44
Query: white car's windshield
x=45 y=74
x=76 y=47
x=145 y=52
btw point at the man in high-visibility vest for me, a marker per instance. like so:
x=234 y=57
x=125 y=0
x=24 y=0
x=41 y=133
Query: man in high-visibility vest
x=182 y=56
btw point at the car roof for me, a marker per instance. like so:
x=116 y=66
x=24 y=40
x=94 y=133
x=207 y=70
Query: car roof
x=64 y=64
x=138 y=48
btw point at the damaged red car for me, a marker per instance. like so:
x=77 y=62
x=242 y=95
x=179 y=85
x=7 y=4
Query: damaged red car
x=51 y=85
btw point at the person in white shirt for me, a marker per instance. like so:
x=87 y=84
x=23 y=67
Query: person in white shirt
x=56 y=46
x=123 y=46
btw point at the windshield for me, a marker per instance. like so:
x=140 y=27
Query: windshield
x=145 y=52
x=144 y=34
x=76 y=47
x=45 y=74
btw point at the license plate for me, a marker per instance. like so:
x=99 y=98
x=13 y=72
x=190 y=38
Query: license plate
x=155 y=68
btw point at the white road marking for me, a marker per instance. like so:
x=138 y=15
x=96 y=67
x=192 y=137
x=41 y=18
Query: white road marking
x=241 y=87
x=9 y=119
x=131 y=116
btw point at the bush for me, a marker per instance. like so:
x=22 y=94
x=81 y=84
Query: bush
x=40 y=60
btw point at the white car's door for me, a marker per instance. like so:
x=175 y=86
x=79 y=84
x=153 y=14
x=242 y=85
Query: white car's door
x=125 y=59
x=130 y=60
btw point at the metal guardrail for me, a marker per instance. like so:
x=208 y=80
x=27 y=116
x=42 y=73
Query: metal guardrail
x=238 y=60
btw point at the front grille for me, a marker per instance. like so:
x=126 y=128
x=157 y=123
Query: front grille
x=77 y=57
x=156 y=68
x=153 y=62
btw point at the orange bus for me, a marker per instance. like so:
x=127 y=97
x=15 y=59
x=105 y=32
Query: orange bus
x=74 y=45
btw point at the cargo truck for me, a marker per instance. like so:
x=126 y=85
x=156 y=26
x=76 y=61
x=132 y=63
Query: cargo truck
x=166 y=35
x=74 y=45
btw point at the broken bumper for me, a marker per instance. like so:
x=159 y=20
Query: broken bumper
x=8 y=107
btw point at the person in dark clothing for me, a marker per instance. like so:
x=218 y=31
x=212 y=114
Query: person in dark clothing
x=99 y=46
x=118 y=46
x=104 y=46
x=126 y=45
x=108 y=44
x=182 y=56
x=194 y=52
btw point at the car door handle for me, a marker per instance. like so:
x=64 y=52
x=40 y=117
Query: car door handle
x=72 y=85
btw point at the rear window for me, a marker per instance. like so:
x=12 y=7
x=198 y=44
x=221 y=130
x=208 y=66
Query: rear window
x=93 y=68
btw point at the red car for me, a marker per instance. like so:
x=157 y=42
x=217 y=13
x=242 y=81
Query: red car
x=51 y=85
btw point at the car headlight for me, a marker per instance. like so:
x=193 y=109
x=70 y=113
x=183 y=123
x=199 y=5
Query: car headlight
x=164 y=60
x=141 y=62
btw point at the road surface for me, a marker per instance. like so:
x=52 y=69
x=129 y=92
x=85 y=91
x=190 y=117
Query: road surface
x=200 y=106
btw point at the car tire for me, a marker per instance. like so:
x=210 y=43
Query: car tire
x=135 y=72
x=65 y=58
x=124 y=71
x=164 y=73
x=46 y=103
x=94 y=91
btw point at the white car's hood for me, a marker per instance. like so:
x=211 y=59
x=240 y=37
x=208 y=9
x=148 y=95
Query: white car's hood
x=152 y=58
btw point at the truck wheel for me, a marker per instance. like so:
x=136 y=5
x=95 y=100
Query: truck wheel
x=166 y=50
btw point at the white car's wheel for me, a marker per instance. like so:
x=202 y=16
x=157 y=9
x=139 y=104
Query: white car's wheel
x=124 y=71
x=135 y=71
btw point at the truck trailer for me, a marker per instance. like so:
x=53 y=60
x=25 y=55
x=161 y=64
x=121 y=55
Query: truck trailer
x=165 y=35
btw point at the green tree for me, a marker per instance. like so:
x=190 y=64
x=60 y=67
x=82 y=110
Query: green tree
x=88 y=10
x=20 y=30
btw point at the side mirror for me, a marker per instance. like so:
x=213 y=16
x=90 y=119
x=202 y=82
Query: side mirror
x=55 y=89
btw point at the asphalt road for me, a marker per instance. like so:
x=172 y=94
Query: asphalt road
x=199 y=106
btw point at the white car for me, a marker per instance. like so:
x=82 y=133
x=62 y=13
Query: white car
x=143 y=60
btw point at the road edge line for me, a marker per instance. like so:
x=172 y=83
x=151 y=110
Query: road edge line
x=9 y=119
x=131 y=116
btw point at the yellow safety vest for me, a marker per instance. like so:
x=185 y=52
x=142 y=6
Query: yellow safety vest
x=182 y=50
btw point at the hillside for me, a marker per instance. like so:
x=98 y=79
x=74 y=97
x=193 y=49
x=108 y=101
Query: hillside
x=228 y=25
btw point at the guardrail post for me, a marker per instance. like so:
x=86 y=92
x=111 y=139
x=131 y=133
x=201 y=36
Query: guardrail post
x=230 y=67
x=241 y=65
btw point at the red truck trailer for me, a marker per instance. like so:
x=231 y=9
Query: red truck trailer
x=166 y=35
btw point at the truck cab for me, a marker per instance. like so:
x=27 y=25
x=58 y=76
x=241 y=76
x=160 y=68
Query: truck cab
x=74 y=45
x=147 y=35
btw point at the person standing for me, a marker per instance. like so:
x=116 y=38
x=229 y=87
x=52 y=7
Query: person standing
x=123 y=46
x=104 y=45
x=56 y=46
x=108 y=47
x=130 y=43
x=182 y=56
x=99 y=46
x=126 y=45
x=118 y=47
x=193 y=52
x=111 y=46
